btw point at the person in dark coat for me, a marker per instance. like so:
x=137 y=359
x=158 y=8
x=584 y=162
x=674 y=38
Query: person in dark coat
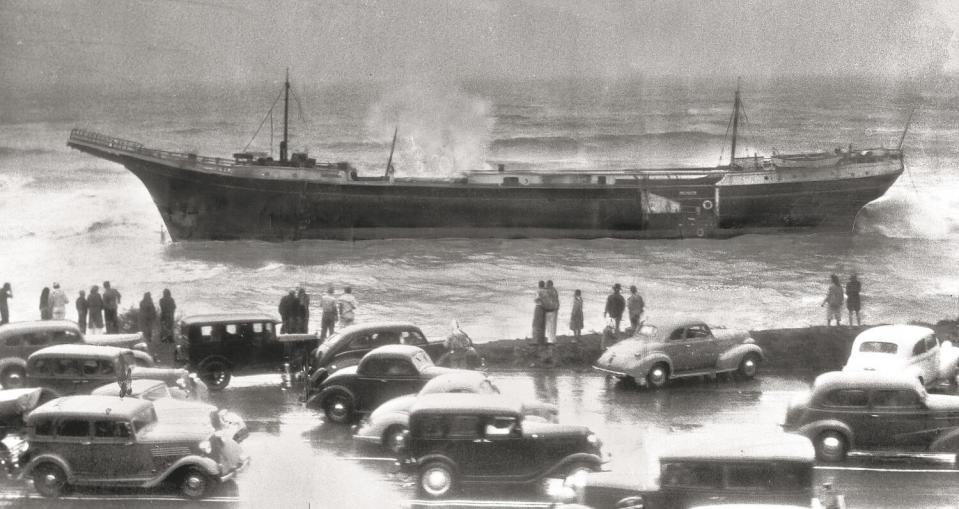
x=853 y=302
x=82 y=311
x=576 y=315
x=288 y=312
x=167 y=316
x=539 y=318
x=147 y=316
x=95 y=311
x=615 y=305
x=6 y=293
x=46 y=312
x=111 y=304
x=302 y=311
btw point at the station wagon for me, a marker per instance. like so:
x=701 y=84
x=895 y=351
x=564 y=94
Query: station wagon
x=119 y=442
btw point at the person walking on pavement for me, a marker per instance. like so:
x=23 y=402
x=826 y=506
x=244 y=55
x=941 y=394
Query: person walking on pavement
x=58 y=302
x=45 y=312
x=615 y=305
x=834 y=300
x=148 y=317
x=853 y=302
x=552 y=314
x=82 y=311
x=95 y=311
x=636 y=306
x=6 y=293
x=329 y=317
x=347 y=307
x=111 y=303
x=167 y=316
x=287 y=311
x=302 y=311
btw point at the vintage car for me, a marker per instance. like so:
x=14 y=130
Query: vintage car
x=388 y=423
x=654 y=355
x=218 y=345
x=457 y=440
x=177 y=406
x=64 y=370
x=119 y=442
x=872 y=410
x=383 y=374
x=350 y=344
x=909 y=349
x=705 y=469
x=15 y=404
x=20 y=339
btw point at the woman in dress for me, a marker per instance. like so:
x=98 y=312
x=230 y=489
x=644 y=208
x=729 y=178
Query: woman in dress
x=576 y=315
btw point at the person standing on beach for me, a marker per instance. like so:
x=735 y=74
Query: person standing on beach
x=615 y=305
x=148 y=317
x=302 y=311
x=329 y=317
x=347 y=304
x=539 y=318
x=834 y=300
x=576 y=315
x=111 y=303
x=167 y=315
x=287 y=308
x=45 y=312
x=95 y=311
x=853 y=303
x=636 y=306
x=82 y=311
x=6 y=293
x=58 y=302
x=552 y=314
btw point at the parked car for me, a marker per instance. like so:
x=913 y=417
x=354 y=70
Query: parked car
x=690 y=348
x=64 y=370
x=869 y=410
x=383 y=374
x=909 y=349
x=176 y=406
x=20 y=339
x=350 y=344
x=218 y=345
x=387 y=424
x=762 y=469
x=457 y=440
x=107 y=441
x=15 y=404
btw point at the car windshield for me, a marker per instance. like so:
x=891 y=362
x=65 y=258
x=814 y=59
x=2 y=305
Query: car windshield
x=144 y=420
x=878 y=347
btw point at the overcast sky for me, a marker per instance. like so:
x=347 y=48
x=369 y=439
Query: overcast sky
x=159 y=42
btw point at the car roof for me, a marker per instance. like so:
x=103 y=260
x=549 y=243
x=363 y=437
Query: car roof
x=89 y=406
x=454 y=380
x=366 y=327
x=900 y=334
x=218 y=318
x=137 y=386
x=669 y=326
x=394 y=351
x=81 y=350
x=774 y=446
x=870 y=379
x=36 y=325
x=453 y=403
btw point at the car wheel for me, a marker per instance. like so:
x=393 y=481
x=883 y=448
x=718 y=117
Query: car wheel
x=831 y=446
x=749 y=366
x=338 y=408
x=394 y=438
x=436 y=479
x=194 y=484
x=12 y=377
x=49 y=480
x=658 y=376
x=215 y=374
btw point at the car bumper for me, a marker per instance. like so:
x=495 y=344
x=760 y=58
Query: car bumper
x=609 y=371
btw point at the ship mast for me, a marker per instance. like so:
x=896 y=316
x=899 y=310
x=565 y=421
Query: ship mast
x=286 y=117
x=736 y=106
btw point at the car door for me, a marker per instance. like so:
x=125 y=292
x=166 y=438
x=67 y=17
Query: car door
x=118 y=454
x=705 y=348
x=850 y=406
x=899 y=420
x=237 y=344
x=680 y=351
x=352 y=351
x=73 y=444
x=383 y=379
x=504 y=452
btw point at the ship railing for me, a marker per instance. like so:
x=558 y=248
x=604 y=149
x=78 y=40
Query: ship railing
x=102 y=140
x=95 y=138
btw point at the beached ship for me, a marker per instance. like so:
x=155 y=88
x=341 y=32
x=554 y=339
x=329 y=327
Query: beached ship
x=252 y=196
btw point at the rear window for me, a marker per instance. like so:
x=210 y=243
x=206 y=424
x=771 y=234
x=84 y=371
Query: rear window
x=73 y=428
x=696 y=475
x=847 y=398
x=878 y=347
x=895 y=399
x=43 y=427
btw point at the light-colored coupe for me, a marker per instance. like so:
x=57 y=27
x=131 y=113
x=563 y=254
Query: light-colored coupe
x=908 y=349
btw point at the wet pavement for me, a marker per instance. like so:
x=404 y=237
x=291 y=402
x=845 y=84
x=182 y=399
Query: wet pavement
x=300 y=461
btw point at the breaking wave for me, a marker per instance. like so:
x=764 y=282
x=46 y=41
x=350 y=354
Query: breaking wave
x=906 y=215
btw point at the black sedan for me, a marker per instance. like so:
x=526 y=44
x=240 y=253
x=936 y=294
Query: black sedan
x=383 y=374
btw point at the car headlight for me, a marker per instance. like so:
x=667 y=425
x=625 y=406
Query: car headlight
x=206 y=447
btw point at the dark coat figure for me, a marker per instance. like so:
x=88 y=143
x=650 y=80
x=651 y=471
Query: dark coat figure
x=82 y=311
x=46 y=312
x=6 y=293
x=111 y=303
x=95 y=311
x=853 y=302
x=167 y=314
x=576 y=315
x=148 y=316
x=302 y=311
x=539 y=314
x=287 y=310
x=615 y=305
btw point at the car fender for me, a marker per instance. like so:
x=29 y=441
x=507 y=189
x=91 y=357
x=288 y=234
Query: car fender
x=643 y=365
x=813 y=429
x=318 y=375
x=316 y=401
x=947 y=442
x=12 y=361
x=211 y=358
x=730 y=359
x=438 y=457
x=580 y=457
x=207 y=465
x=46 y=458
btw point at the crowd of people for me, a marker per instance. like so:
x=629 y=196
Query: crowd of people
x=337 y=311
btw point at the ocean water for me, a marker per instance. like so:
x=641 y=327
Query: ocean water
x=68 y=217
